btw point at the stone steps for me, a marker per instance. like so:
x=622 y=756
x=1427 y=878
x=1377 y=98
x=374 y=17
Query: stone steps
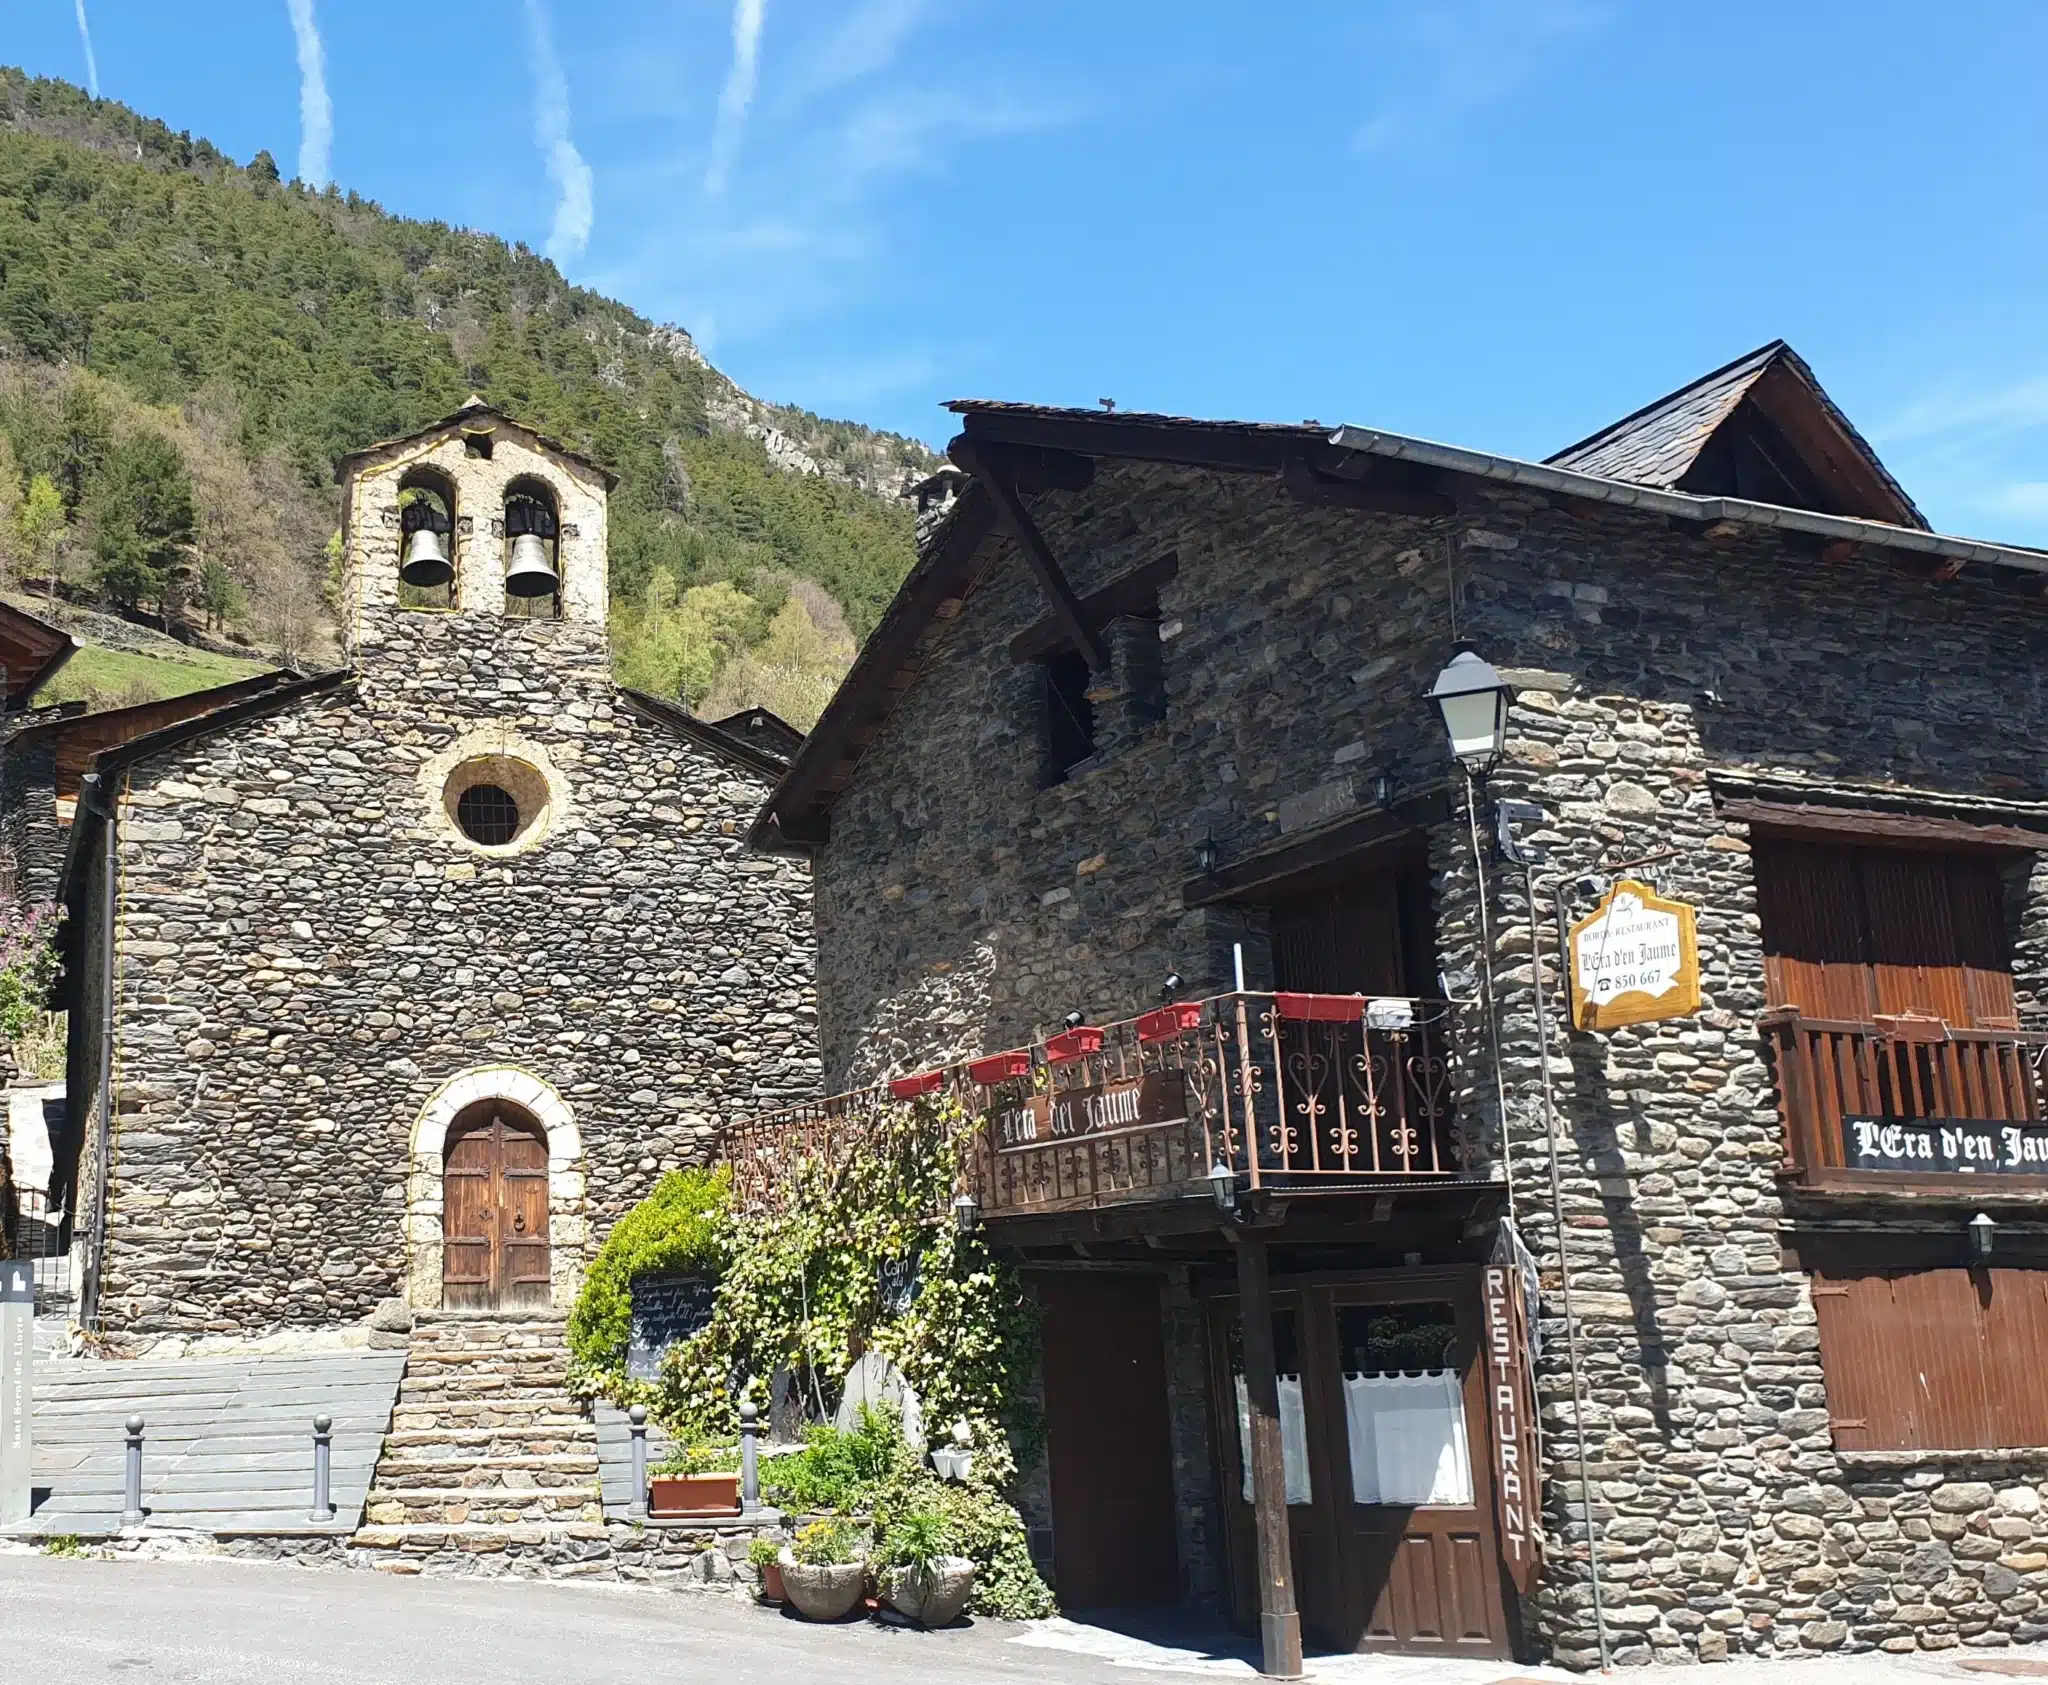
x=487 y=1453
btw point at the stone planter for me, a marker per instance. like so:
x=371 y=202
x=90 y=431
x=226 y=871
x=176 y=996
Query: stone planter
x=694 y=1494
x=822 y=1592
x=932 y=1597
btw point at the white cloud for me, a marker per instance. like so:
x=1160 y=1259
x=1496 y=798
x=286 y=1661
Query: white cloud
x=1452 y=57
x=738 y=92
x=92 y=66
x=316 y=110
x=2011 y=408
x=1972 y=455
x=574 y=200
x=867 y=42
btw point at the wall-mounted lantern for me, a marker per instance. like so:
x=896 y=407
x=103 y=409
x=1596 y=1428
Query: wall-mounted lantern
x=1473 y=699
x=1983 y=1233
x=1223 y=1185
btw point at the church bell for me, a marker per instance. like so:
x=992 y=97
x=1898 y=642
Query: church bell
x=426 y=560
x=529 y=575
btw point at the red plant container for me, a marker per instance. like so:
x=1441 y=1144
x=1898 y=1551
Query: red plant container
x=1321 y=1009
x=1073 y=1044
x=1170 y=1021
x=999 y=1067
x=694 y=1494
x=909 y=1088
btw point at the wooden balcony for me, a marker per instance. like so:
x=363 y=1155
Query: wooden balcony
x=1909 y=1104
x=1287 y=1091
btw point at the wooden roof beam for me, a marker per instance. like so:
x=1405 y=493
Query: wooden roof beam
x=992 y=472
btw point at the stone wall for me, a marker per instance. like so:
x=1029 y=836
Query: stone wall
x=308 y=951
x=962 y=907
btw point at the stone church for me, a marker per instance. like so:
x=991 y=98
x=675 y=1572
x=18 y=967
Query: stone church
x=400 y=982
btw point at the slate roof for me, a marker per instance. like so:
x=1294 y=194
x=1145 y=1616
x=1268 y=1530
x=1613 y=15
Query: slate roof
x=31 y=650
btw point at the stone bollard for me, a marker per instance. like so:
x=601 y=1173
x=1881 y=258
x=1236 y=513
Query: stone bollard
x=637 y=1426
x=750 y=1457
x=323 y=1453
x=131 y=1509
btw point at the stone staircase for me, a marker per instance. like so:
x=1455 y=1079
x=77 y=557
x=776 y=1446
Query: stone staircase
x=488 y=1455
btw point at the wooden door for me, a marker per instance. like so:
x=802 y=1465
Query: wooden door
x=1107 y=1441
x=494 y=1223
x=1311 y=1523
x=1414 y=1499
x=1370 y=936
x=1416 y=1578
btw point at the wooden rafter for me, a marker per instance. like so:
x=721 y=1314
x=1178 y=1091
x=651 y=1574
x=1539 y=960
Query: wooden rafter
x=991 y=472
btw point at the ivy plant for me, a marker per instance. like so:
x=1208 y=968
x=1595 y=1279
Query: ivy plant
x=683 y=1226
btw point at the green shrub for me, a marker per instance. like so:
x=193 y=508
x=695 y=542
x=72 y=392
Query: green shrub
x=762 y=1552
x=681 y=1226
x=919 y=1538
x=834 y=1470
x=827 y=1543
x=700 y=1459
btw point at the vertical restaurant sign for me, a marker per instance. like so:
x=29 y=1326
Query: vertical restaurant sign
x=1511 y=1413
x=1634 y=958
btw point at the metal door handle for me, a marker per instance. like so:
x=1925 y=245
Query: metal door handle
x=519 y=1223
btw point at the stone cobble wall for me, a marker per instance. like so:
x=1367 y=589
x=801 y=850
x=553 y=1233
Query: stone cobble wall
x=962 y=907
x=307 y=950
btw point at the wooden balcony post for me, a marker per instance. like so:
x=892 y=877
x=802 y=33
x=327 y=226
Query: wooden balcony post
x=1279 y=1622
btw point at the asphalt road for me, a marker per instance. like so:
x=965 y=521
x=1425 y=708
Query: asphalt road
x=74 y=1622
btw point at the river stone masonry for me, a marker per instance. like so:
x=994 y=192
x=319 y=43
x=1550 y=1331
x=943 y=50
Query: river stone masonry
x=962 y=906
x=316 y=970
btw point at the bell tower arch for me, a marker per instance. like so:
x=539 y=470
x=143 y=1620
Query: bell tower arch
x=478 y=517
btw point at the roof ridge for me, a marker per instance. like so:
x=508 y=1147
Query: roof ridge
x=1763 y=356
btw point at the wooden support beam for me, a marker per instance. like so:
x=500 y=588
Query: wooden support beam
x=1010 y=510
x=1305 y=484
x=1279 y=1620
x=1838 y=550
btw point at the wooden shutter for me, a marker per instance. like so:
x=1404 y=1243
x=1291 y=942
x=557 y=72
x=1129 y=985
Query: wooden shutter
x=1343 y=941
x=1935 y=1360
x=1851 y=933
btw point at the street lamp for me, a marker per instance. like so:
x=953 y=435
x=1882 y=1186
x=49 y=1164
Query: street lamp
x=1473 y=699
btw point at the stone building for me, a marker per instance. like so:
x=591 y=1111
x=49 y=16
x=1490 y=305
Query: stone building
x=399 y=983
x=1151 y=707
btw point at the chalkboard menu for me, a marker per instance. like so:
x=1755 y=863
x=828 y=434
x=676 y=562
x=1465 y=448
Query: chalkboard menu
x=896 y=1283
x=667 y=1310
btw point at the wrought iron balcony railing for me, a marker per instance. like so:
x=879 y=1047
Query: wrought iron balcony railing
x=1280 y=1089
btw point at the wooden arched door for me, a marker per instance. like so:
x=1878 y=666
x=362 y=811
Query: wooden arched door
x=494 y=1223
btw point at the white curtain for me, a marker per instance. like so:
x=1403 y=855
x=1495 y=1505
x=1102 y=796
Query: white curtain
x=1293 y=1439
x=1407 y=1436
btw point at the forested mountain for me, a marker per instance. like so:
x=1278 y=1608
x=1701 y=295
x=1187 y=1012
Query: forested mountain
x=187 y=345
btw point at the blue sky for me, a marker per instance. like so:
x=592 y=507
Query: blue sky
x=1499 y=223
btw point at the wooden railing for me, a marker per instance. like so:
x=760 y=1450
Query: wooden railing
x=1904 y=1096
x=1281 y=1090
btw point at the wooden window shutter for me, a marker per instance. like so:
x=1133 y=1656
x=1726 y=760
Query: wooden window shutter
x=1935 y=1360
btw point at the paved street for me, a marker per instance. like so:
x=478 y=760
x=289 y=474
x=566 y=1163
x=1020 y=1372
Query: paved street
x=215 y=1622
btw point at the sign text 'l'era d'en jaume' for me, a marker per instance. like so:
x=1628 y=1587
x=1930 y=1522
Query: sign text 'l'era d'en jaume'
x=1634 y=958
x=1116 y=1107
x=1945 y=1146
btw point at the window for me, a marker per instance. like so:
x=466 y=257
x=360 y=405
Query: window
x=1404 y=1404
x=1069 y=715
x=487 y=815
x=1855 y=932
x=1935 y=1360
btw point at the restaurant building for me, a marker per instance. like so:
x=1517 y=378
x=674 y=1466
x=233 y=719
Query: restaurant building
x=1404 y=1285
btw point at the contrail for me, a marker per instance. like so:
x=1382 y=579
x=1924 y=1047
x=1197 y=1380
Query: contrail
x=92 y=68
x=316 y=110
x=738 y=93
x=566 y=168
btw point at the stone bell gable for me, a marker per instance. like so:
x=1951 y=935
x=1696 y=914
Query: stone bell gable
x=468 y=910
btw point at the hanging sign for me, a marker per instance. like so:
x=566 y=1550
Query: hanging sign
x=1511 y=1411
x=1634 y=958
x=1947 y=1146
x=1117 y=1107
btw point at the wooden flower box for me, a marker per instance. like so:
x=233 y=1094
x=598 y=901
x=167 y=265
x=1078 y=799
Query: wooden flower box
x=1000 y=1067
x=1170 y=1021
x=1069 y=1045
x=909 y=1088
x=693 y=1494
x=1320 y=1009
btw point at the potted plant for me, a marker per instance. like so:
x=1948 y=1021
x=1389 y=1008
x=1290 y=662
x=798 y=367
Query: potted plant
x=696 y=1480
x=766 y=1556
x=823 y=1574
x=920 y=1577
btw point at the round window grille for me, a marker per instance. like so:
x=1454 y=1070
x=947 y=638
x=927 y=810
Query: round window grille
x=487 y=814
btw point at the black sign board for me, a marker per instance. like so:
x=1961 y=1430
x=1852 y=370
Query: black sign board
x=896 y=1283
x=1946 y=1146
x=667 y=1310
